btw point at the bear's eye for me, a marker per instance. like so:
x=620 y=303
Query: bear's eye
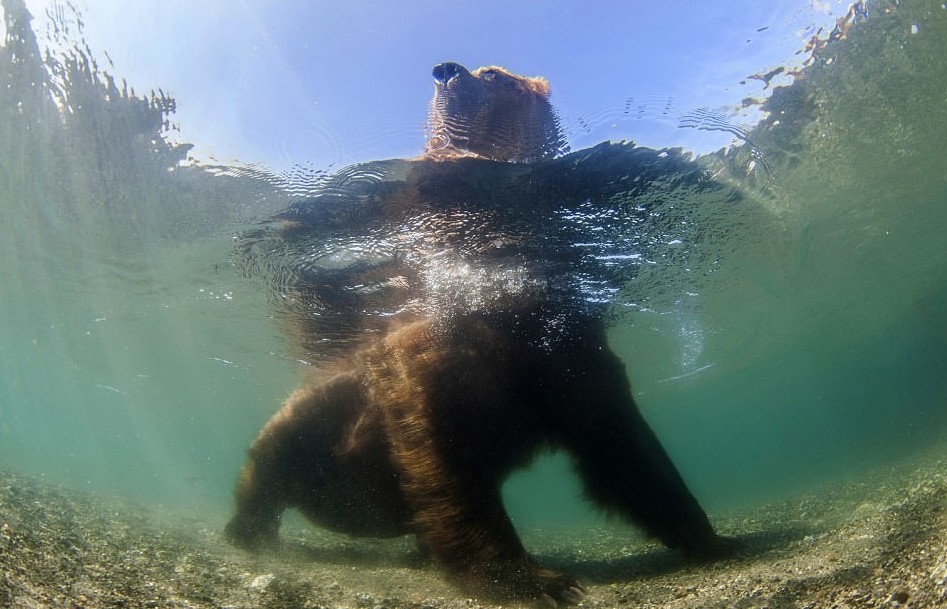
x=489 y=75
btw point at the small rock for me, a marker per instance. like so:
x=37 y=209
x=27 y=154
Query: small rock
x=260 y=582
x=899 y=596
x=939 y=574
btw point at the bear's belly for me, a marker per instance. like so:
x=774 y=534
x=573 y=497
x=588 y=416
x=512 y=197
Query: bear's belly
x=362 y=499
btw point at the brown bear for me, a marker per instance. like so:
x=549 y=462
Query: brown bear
x=486 y=348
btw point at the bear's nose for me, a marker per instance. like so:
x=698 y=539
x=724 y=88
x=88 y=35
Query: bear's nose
x=443 y=72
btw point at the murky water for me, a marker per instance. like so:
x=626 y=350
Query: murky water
x=797 y=337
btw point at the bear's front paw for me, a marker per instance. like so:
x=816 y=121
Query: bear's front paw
x=558 y=588
x=530 y=581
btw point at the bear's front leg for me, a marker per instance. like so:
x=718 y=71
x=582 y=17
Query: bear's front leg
x=460 y=518
x=623 y=466
x=454 y=429
x=466 y=527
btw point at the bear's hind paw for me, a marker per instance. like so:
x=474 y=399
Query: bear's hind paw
x=247 y=537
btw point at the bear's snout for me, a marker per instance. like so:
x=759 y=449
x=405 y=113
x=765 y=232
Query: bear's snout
x=443 y=72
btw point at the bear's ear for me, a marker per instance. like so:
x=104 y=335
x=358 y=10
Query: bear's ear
x=538 y=85
x=533 y=84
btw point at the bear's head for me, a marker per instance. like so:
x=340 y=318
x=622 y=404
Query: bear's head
x=493 y=114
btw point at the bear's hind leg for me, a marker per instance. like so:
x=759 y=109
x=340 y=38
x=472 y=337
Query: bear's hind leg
x=259 y=512
x=288 y=459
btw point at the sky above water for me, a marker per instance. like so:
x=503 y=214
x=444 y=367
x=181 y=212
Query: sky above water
x=324 y=84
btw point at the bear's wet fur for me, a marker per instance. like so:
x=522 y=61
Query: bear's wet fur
x=415 y=430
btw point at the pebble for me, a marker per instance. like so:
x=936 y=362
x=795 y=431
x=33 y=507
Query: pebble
x=260 y=582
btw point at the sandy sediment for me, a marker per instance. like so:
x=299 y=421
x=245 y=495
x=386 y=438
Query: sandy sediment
x=879 y=540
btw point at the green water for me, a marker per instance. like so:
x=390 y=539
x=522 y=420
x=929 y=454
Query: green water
x=135 y=360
